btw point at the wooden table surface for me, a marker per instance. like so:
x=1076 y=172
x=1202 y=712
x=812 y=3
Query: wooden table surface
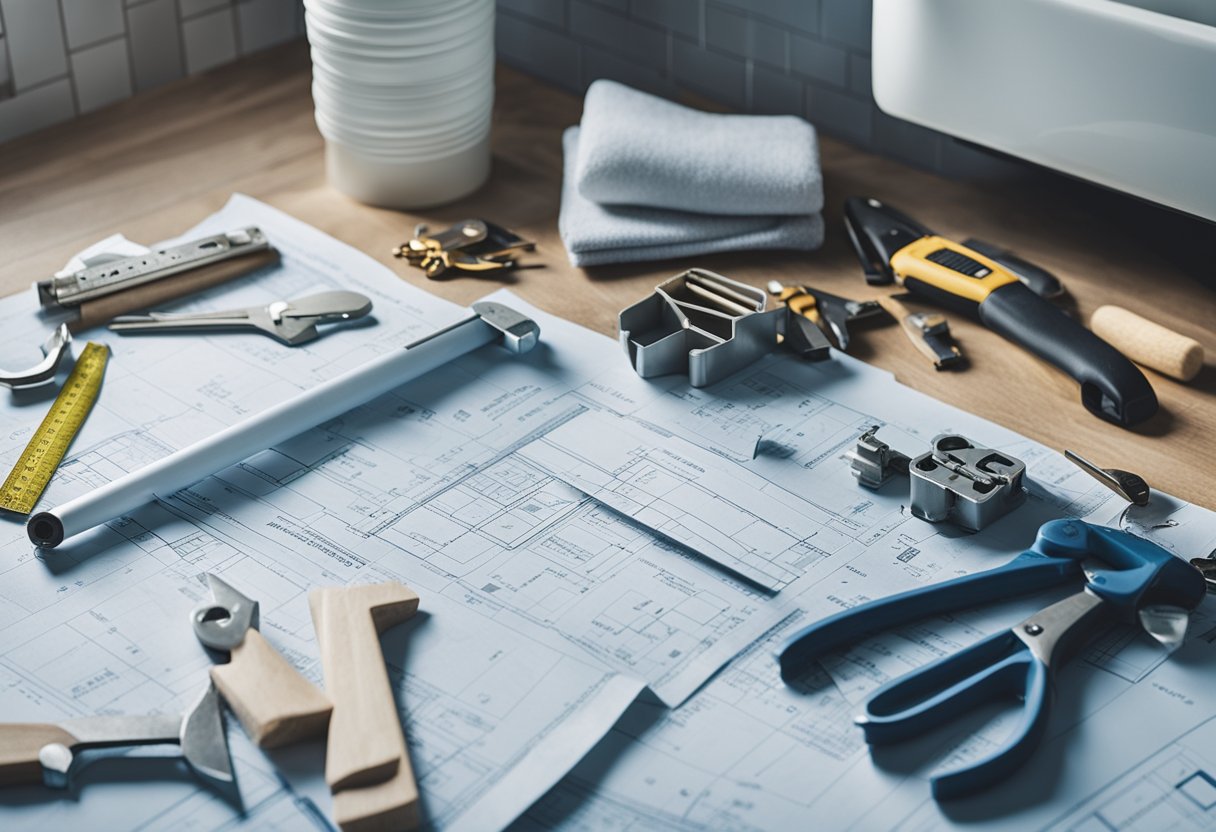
x=156 y=164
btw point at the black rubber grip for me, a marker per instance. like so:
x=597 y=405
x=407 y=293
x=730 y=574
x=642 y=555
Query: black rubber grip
x=1112 y=387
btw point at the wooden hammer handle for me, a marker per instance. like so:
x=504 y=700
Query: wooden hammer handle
x=20 y=744
x=275 y=704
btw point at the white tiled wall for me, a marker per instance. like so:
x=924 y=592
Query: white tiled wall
x=62 y=58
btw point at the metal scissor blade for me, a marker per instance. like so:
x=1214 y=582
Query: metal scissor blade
x=1166 y=623
x=204 y=743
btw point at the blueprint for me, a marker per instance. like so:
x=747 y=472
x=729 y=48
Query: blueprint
x=500 y=694
x=604 y=564
x=1123 y=756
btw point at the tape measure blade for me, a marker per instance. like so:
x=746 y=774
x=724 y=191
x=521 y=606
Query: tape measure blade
x=50 y=442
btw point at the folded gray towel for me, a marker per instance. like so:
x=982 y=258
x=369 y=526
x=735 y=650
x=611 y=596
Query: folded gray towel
x=638 y=149
x=597 y=234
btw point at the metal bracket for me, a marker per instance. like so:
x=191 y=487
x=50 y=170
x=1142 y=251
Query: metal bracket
x=699 y=323
x=956 y=481
x=874 y=462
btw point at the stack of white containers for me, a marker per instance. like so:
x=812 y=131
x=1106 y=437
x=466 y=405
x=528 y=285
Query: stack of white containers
x=404 y=91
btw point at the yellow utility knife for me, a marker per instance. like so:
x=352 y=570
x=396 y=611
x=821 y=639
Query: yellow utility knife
x=893 y=248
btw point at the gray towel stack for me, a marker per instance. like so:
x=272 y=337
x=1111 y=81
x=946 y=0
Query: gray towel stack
x=646 y=179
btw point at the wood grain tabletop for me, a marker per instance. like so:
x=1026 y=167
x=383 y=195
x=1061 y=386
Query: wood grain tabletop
x=156 y=164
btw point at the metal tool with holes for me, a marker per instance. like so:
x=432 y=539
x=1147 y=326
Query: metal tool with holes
x=51 y=753
x=1127 y=579
x=275 y=704
x=125 y=273
x=293 y=322
x=965 y=484
x=955 y=481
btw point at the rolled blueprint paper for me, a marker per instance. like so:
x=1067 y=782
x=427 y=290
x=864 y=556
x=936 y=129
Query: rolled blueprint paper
x=279 y=423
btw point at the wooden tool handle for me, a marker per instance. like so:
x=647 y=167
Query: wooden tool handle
x=20 y=743
x=275 y=704
x=1148 y=343
x=366 y=764
x=363 y=749
x=896 y=309
x=97 y=312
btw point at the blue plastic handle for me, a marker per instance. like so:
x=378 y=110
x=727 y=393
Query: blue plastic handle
x=1028 y=572
x=1135 y=571
x=997 y=667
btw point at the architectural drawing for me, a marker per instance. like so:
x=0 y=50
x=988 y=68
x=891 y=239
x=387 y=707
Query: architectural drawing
x=560 y=580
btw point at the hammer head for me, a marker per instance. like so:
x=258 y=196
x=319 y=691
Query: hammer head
x=222 y=623
x=205 y=743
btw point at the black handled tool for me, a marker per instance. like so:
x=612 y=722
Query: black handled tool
x=893 y=248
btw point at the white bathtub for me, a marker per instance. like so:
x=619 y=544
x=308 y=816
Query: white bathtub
x=1115 y=92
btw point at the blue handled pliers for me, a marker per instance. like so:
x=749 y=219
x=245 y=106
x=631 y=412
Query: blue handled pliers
x=1123 y=574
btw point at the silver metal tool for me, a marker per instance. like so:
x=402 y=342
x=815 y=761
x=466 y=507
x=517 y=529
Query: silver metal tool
x=963 y=483
x=935 y=341
x=874 y=461
x=929 y=332
x=293 y=322
x=274 y=702
x=1207 y=566
x=955 y=481
x=54 y=351
x=222 y=622
x=124 y=273
x=701 y=324
x=1127 y=485
x=489 y=323
x=50 y=752
x=832 y=312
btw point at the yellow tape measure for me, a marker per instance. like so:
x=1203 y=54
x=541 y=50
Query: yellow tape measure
x=50 y=442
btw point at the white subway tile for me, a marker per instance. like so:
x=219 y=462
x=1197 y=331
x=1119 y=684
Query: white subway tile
x=156 y=45
x=37 y=108
x=88 y=21
x=102 y=74
x=210 y=40
x=264 y=23
x=35 y=38
x=190 y=8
